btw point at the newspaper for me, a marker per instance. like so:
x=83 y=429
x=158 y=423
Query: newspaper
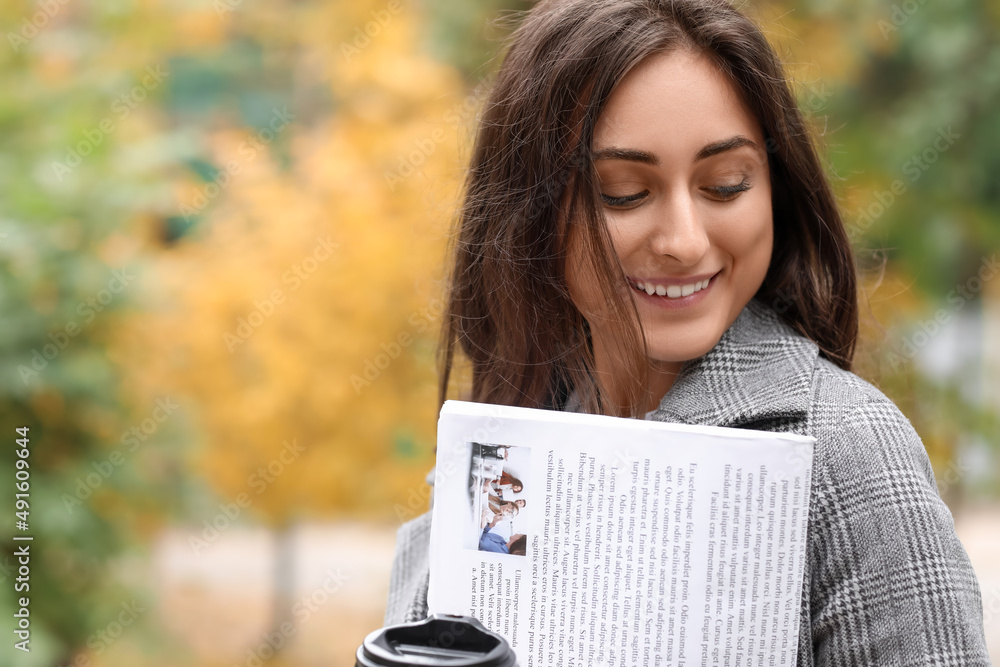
x=593 y=540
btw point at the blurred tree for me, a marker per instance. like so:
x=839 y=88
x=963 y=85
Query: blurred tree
x=74 y=193
x=298 y=296
x=303 y=307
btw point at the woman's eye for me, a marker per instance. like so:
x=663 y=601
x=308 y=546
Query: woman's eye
x=727 y=192
x=624 y=201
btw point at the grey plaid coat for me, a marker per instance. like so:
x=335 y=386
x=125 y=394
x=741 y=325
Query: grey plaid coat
x=886 y=582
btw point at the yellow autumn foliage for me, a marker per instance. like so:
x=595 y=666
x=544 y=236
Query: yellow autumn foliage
x=305 y=308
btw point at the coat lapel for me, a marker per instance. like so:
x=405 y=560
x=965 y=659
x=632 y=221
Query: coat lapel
x=758 y=375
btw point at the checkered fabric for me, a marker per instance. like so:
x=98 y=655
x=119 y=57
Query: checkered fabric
x=886 y=582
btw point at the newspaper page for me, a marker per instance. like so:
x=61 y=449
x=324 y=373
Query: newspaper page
x=594 y=540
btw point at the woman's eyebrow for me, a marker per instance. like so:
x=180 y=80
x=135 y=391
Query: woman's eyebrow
x=629 y=154
x=633 y=155
x=730 y=144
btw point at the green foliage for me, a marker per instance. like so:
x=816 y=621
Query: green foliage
x=66 y=228
x=469 y=34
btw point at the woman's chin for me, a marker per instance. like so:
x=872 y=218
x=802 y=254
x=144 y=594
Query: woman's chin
x=672 y=348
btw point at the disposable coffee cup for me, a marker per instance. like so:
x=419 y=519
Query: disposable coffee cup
x=440 y=640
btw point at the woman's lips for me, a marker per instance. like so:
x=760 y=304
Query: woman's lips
x=674 y=292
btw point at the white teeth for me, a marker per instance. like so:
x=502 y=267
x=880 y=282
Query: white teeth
x=673 y=291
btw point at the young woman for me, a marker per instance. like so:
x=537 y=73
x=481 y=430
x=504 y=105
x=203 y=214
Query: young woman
x=507 y=482
x=497 y=505
x=647 y=232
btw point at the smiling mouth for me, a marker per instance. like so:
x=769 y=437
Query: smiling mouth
x=670 y=291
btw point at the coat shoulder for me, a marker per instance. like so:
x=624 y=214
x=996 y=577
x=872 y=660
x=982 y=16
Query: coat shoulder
x=834 y=385
x=841 y=400
x=883 y=555
x=860 y=431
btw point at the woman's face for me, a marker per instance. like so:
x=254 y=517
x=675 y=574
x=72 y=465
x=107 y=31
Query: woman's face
x=687 y=198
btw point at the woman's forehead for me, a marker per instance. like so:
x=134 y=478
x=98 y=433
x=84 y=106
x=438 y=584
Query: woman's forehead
x=672 y=105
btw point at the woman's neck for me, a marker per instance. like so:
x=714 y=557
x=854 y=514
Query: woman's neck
x=661 y=377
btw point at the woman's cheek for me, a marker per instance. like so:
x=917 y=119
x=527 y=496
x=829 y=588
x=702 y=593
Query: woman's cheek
x=750 y=243
x=746 y=231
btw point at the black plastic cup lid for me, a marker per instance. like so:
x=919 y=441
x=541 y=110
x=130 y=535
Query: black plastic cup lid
x=452 y=641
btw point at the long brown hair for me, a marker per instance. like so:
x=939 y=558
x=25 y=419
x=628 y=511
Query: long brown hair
x=531 y=182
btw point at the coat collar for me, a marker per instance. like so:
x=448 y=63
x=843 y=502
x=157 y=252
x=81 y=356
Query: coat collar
x=760 y=370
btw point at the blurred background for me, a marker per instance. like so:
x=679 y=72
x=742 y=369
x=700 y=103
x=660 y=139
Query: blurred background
x=222 y=235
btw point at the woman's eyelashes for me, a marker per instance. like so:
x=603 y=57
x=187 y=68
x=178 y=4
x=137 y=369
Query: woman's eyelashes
x=624 y=201
x=727 y=192
x=717 y=192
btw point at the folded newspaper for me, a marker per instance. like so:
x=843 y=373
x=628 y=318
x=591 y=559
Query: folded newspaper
x=594 y=540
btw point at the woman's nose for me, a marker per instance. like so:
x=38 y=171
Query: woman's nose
x=678 y=231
